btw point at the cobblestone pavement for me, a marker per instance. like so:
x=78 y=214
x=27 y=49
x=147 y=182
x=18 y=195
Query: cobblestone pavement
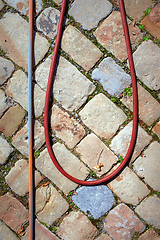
x=91 y=121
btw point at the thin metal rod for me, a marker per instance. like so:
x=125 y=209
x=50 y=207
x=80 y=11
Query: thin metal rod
x=30 y=123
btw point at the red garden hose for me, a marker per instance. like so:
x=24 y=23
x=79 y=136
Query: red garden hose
x=135 y=103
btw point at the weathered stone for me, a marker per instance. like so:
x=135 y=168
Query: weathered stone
x=20 y=140
x=149 y=235
x=103 y=237
x=102 y=116
x=14 y=40
x=1 y=4
x=146 y=59
x=13 y=213
x=93 y=151
x=156 y=129
x=128 y=187
x=77 y=226
x=58 y=1
x=18 y=177
x=152 y=22
x=120 y=142
x=112 y=77
x=149 y=210
x=17 y=88
x=110 y=34
x=41 y=233
x=90 y=12
x=23 y=5
x=149 y=108
x=147 y=166
x=68 y=161
x=54 y=204
x=5 y=150
x=47 y=22
x=11 y=120
x=6 y=69
x=94 y=200
x=80 y=48
x=3 y=105
x=65 y=127
x=121 y=223
x=6 y=233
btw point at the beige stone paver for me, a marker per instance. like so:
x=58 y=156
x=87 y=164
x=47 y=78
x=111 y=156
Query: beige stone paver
x=6 y=233
x=156 y=129
x=149 y=235
x=81 y=49
x=102 y=116
x=6 y=69
x=5 y=150
x=103 y=237
x=1 y=4
x=3 y=104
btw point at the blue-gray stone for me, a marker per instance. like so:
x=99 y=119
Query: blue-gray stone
x=112 y=77
x=94 y=200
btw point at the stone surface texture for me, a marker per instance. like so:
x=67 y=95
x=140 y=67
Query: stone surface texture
x=112 y=77
x=1 y=4
x=149 y=235
x=121 y=223
x=3 y=104
x=102 y=116
x=6 y=69
x=5 y=232
x=147 y=166
x=149 y=210
x=68 y=228
x=90 y=12
x=103 y=237
x=81 y=49
x=156 y=129
x=5 y=150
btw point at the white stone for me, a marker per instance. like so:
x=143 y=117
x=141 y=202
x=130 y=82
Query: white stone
x=5 y=150
x=3 y=105
x=6 y=69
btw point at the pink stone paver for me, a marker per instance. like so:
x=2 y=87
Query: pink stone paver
x=149 y=235
x=156 y=129
x=103 y=237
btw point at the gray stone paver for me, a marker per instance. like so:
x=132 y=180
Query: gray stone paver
x=81 y=49
x=3 y=104
x=93 y=151
x=20 y=140
x=110 y=35
x=149 y=235
x=18 y=177
x=149 y=210
x=121 y=223
x=102 y=116
x=5 y=150
x=68 y=228
x=14 y=40
x=47 y=22
x=17 y=88
x=121 y=141
x=112 y=77
x=156 y=129
x=90 y=12
x=54 y=206
x=146 y=61
x=6 y=233
x=149 y=108
x=147 y=166
x=1 y=4
x=6 y=69
x=65 y=127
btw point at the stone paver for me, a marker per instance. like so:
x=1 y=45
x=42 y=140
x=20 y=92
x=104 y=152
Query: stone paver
x=152 y=22
x=71 y=88
x=110 y=35
x=41 y=233
x=121 y=223
x=146 y=61
x=54 y=204
x=149 y=108
x=1 y=4
x=128 y=187
x=68 y=161
x=102 y=116
x=147 y=166
x=6 y=69
x=18 y=177
x=47 y=22
x=93 y=151
x=58 y=1
x=112 y=77
x=13 y=213
x=11 y=120
x=81 y=49
x=65 y=127
x=149 y=210
x=20 y=140
x=14 y=40
x=76 y=226
x=90 y=12
x=94 y=200
x=103 y=237
x=5 y=150
x=156 y=129
x=17 y=88
x=120 y=142
x=149 y=235
x=3 y=104
x=6 y=233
